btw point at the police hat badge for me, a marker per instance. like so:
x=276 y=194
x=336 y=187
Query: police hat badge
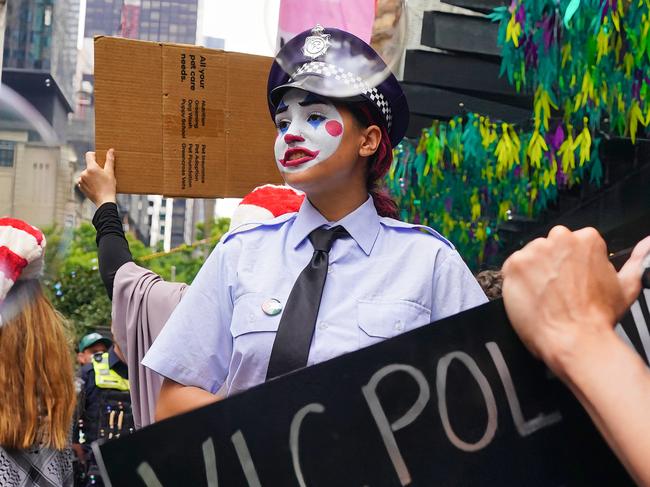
x=317 y=43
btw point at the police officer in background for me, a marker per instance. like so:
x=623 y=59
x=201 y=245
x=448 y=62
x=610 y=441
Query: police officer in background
x=104 y=410
x=89 y=345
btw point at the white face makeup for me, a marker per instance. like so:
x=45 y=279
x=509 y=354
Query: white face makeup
x=310 y=129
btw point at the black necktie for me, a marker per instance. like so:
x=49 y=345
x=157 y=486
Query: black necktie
x=296 y=329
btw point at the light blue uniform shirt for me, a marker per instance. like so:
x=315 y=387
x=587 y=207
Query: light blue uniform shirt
x=389 y=278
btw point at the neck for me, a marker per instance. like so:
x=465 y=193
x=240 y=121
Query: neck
x=335 y=206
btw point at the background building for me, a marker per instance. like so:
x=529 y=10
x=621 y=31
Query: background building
x=36 y=164
x=36 y=172
x=213 y=42
x=41 y=35
x=149 y=20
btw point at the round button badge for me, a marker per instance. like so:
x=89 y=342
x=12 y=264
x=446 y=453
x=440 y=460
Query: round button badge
x=272 y=307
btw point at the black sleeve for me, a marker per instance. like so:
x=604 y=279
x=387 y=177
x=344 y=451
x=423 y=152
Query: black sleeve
x=112 y=248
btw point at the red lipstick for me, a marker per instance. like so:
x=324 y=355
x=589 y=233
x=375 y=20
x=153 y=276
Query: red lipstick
x=308 y=156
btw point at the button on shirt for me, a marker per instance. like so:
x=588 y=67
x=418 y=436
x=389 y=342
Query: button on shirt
x=389 y=278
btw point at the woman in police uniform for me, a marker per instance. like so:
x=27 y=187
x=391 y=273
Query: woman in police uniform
x=338 y=275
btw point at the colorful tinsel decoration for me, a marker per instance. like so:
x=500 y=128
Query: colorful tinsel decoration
x=588 y=58
x=467 y=176
x=587 y=65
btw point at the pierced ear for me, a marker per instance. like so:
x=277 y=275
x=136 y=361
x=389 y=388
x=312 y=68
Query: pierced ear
x=371 y=141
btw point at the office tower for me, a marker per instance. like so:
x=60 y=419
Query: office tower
x=150 y=20
x=41 y=35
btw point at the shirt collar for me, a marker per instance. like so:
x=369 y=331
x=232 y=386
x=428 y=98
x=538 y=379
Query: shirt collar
x=362 y=224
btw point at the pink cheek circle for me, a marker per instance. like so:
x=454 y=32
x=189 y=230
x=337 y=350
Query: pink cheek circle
x=334 y=128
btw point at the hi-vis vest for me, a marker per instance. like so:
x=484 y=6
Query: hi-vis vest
x=105 y=377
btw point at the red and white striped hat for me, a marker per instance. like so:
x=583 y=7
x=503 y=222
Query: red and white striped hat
x=22 y=249
x=265 y=203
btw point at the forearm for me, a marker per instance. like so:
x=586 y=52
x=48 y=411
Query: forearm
x=176 y=399
x=613 y=384
x=112 y=247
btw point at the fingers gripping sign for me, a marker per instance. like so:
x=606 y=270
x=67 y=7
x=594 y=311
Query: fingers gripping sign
x=574 y=289
x=98 y=183
x=630 y=275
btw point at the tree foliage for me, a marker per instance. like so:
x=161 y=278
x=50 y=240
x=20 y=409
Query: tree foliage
x=72 y=278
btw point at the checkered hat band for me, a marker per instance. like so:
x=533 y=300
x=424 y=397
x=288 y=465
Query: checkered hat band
x=350 y=79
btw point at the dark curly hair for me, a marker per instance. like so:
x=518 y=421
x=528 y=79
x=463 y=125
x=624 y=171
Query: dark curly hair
x=491 y=282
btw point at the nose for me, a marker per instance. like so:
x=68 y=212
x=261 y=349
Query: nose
x=288 y=138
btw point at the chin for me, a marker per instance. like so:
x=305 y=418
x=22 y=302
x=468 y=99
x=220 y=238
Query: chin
x=302 y=179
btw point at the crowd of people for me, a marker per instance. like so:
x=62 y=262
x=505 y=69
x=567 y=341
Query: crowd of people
x=330 y=251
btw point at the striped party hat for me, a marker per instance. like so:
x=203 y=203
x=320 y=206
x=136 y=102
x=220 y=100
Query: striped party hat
x=22 y=249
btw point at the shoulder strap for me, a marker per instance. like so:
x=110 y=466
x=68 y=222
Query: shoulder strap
x=390 y=222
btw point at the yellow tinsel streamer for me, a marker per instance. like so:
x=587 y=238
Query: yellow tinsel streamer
x=636 y=117
x=507 y=150
x=542 y=106
x=566 y=152
x=476 y=206
x=513 y=30
x=536 y=148
x=583 y=141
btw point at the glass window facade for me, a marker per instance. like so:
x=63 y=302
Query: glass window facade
x=7 y=150
x=164 y=21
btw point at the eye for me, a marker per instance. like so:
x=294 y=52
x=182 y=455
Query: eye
x=316 y=117
x=282 y=125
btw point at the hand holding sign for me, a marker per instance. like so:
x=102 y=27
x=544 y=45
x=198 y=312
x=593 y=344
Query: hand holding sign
x=98 y=183
x=568 y=280
x=578 y=298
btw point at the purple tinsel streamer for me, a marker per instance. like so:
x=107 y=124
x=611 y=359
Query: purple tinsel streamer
x=555 y=139
x=530 y=52
x=561 y=178
x=448 y=204
x=520 y=16
x=549 y=31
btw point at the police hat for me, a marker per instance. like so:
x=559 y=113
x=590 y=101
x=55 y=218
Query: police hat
x=339 y=66
x=92 y=338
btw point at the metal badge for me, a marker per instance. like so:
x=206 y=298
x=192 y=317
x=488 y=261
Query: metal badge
x=316 y=44
x=272 y=307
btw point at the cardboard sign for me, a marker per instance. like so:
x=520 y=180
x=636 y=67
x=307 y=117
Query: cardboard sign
x=457 y=402
x=184 y=120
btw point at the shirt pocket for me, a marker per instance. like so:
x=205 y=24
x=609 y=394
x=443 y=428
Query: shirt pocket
x=248 y=316
x=382 y=319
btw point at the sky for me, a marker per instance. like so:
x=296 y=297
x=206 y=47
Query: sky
x=248 y=26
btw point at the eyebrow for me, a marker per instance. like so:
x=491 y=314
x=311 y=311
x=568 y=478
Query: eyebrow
x=282 y=107
x=312 y=99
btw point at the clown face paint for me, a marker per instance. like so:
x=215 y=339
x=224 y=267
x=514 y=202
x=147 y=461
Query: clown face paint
x=310 y=129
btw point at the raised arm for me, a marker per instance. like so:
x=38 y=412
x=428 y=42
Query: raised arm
x=99 y=185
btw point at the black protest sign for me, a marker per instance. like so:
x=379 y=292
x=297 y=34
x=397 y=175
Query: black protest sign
x=458 y=402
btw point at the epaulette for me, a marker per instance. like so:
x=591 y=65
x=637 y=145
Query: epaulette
x=249 y=226
x=411 y=226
